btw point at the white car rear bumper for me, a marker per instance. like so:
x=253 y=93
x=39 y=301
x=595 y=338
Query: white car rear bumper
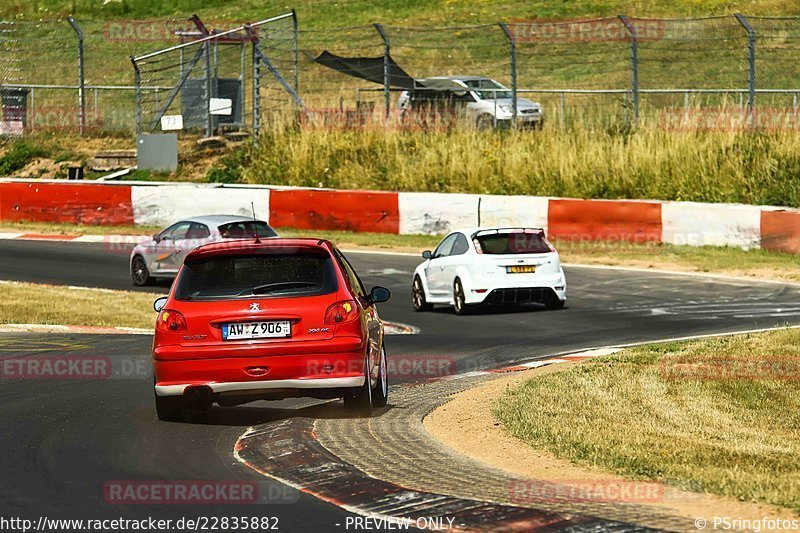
x=515 y=287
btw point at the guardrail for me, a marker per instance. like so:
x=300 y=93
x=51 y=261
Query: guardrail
x=638 y=221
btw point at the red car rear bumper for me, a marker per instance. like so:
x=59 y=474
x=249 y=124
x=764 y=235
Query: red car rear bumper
x=253 y=367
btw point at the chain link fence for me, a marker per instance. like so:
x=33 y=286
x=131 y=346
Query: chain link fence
x=76 y=75
x=70 y=75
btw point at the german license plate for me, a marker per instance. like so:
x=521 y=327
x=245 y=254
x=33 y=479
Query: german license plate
x=256 y=330
x=521 y=269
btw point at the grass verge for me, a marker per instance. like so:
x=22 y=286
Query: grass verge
x=719 y=416
x=49 y=228
x=32 y=303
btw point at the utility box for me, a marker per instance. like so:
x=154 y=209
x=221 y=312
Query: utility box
x=157 y=151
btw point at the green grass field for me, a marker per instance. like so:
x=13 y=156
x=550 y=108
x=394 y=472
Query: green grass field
x=717 y=416
x=345 y=12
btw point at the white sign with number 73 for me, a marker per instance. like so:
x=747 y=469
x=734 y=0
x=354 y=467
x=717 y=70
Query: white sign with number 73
x=171 y=122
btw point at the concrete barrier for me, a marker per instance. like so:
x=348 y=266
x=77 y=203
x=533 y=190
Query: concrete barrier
x=685 y=223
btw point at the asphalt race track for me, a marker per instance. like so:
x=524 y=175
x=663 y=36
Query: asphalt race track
x=63 y=440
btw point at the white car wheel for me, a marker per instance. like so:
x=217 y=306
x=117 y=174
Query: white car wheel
x=418 y=298
x=459 y=298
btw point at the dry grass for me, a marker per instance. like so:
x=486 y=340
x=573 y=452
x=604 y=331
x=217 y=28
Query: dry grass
x=57 y=151
x=31 y=303
x=736 y=436
x=759 y=264
x=581 y=162
x=75 y=229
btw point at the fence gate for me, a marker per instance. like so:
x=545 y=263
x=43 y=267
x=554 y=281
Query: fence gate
x=210 y=82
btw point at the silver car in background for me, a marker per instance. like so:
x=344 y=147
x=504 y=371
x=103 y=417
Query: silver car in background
x=486 y=102
x=162 y=256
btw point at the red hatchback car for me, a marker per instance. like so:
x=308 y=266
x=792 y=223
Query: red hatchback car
x=265 y=320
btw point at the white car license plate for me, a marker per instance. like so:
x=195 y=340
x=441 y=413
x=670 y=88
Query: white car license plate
x=256 y=330
x=521 y=269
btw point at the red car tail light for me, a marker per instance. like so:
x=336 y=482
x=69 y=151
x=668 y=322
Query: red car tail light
x=341 y=312
x=171 y=321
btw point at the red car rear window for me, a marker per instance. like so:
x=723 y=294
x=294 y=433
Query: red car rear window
x=263 y=274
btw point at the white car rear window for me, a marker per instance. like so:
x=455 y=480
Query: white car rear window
x=246 y=229
x=510 y=243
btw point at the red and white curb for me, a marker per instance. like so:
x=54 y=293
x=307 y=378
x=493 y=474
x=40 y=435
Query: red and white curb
x=604 y=351
x=60 y=328
x=162 y=203
x=398 y=328
x=59 y=237
x=567 y=358
x=289 y=452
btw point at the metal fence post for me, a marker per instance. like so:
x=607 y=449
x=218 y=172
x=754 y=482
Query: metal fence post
x=242 y=91
x=512 y=51
x=751 y=71
x=634 y=65
x=386 y=58
x=81 y=77
x=296 y=50
x=256 y=87
x=137 y=76
x=209 y=90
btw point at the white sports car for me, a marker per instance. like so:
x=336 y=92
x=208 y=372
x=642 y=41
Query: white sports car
x=492 y=266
